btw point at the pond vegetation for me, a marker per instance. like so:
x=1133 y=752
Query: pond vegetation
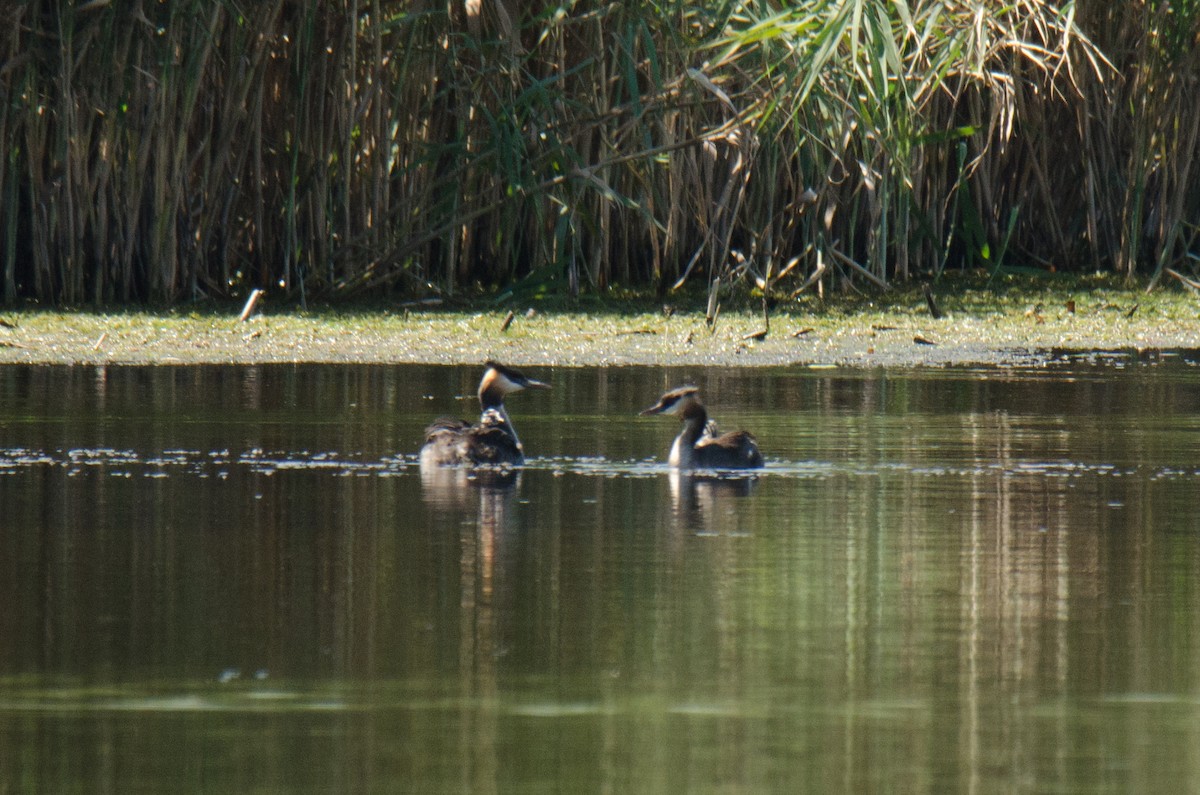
x=185 y=151
x=1016 y=319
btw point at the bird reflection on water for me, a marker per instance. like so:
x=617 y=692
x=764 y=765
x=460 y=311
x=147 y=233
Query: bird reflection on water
x=460 y=487
x=489 y=496
x=481 y=504
x=707 y=504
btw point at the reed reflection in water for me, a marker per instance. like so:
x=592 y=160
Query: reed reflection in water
x=237 y=578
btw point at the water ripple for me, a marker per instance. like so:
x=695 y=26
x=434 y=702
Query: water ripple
x=171 y=462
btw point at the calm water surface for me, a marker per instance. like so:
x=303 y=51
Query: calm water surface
x=236 y=579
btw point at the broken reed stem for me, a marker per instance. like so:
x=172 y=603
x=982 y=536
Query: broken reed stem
x=251 y=303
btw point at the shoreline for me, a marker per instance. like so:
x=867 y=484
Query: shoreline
x=861 y=337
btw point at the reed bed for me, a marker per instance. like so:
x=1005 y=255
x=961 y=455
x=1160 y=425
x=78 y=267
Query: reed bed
x=169 y=152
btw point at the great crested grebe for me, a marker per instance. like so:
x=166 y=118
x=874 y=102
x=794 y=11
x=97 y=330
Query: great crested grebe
x=698 y=445
x=492 y=440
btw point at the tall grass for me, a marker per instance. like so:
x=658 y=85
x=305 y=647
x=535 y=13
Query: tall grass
x=1141 y=158
x=178 y=151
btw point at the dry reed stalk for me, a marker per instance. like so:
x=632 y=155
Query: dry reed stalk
x=168 y=152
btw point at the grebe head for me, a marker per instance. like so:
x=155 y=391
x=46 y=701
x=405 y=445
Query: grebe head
x=684 y=401
x=500 y=380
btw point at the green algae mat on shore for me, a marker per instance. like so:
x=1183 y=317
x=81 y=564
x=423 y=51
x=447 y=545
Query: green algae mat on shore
x=978 y=327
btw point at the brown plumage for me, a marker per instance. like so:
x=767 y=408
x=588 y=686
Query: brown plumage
x=490 y=442
x=699 y=445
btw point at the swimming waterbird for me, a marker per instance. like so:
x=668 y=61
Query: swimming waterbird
x=490 y=442
x=700 y=445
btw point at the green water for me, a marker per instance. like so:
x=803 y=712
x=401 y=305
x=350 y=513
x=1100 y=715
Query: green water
x=237 y=580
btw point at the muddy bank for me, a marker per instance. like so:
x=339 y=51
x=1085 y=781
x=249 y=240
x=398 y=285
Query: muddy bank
x=1011 y=332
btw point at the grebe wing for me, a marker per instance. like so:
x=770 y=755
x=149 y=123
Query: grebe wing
x=738 y=448
x=445 y=425
x=731 y=439
x=492 y=444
